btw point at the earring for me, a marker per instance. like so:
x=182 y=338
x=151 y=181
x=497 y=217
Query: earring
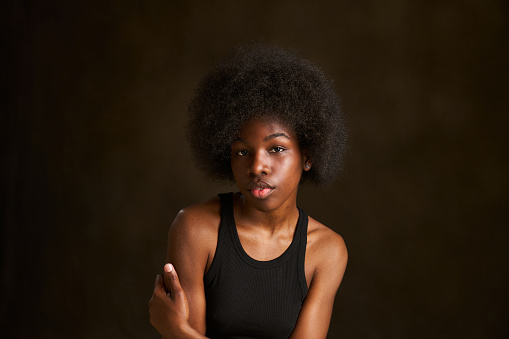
x=307 y=166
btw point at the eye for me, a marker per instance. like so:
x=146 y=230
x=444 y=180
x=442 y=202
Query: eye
x=241 y=152
x=277 y=149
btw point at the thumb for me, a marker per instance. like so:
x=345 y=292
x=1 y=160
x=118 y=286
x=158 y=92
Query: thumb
x=167 y=276
x=176 y=291
x=171 y=281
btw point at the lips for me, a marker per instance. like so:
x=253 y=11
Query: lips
x=260 y=189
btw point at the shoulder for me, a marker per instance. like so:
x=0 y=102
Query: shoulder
x=198 y=217
x=195 y=229
x=325 y=263
x=326 y=251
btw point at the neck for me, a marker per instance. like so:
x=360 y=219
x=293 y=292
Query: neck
x=283 y=218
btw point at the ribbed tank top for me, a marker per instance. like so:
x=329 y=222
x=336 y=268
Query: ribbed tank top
x=247 y=298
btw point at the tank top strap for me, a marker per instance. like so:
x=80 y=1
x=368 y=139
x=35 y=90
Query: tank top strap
x=226 y=200
x=226 y=203
x=227 y=218
x=303 y=239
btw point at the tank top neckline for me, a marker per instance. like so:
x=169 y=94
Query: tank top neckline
x=294 y=245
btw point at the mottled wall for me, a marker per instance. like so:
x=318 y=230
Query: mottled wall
x=96 y=165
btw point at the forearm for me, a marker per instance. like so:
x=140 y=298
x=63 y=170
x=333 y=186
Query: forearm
x=186 y=332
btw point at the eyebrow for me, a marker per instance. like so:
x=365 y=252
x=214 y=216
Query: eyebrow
x=267 y=138
x=275 y=135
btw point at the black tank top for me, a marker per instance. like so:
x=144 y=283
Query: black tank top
x=247 y=298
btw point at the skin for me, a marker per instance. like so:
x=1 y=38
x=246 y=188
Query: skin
x=266 y=154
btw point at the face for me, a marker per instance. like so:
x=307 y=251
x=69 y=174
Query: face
x=267 y=164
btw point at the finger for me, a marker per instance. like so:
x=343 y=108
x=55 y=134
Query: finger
x=159 y=285
x=167 y=277
x=172 y=281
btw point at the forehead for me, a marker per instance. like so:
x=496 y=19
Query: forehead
x=265 y=126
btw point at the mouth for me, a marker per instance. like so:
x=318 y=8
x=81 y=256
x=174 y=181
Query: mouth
x=260 y=189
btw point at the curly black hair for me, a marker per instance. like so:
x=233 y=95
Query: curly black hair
x=260 y=80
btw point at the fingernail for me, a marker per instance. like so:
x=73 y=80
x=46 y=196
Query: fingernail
x=170 y=268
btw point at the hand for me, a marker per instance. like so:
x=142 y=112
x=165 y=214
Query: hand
x=168 y=308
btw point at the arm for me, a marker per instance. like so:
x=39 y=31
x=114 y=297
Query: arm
x=168 y=308
x=330 y=255
x=187 y=251
x=192 y=239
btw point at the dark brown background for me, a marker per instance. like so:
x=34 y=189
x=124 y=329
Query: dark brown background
x=96 y=166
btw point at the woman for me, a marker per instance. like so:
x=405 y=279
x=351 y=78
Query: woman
x=252 y=264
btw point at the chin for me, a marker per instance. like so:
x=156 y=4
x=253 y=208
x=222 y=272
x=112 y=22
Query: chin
x=267 y=204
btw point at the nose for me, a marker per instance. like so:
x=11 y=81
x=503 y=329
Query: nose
x=260 y=164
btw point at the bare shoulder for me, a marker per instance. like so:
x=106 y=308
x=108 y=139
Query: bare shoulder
x=322 y=239
x=200 y=217
x=326 y=251
x=193 y=233
x=192 y=240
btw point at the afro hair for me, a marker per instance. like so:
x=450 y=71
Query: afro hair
x=260 y=80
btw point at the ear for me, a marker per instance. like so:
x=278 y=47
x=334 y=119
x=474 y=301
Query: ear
x=307 y=162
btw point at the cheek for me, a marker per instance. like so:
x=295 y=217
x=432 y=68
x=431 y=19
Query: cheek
x=235 y=169
x=238 y=168
x=293 y=167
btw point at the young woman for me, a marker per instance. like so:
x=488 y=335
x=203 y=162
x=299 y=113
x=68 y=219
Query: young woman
x=252 y=264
